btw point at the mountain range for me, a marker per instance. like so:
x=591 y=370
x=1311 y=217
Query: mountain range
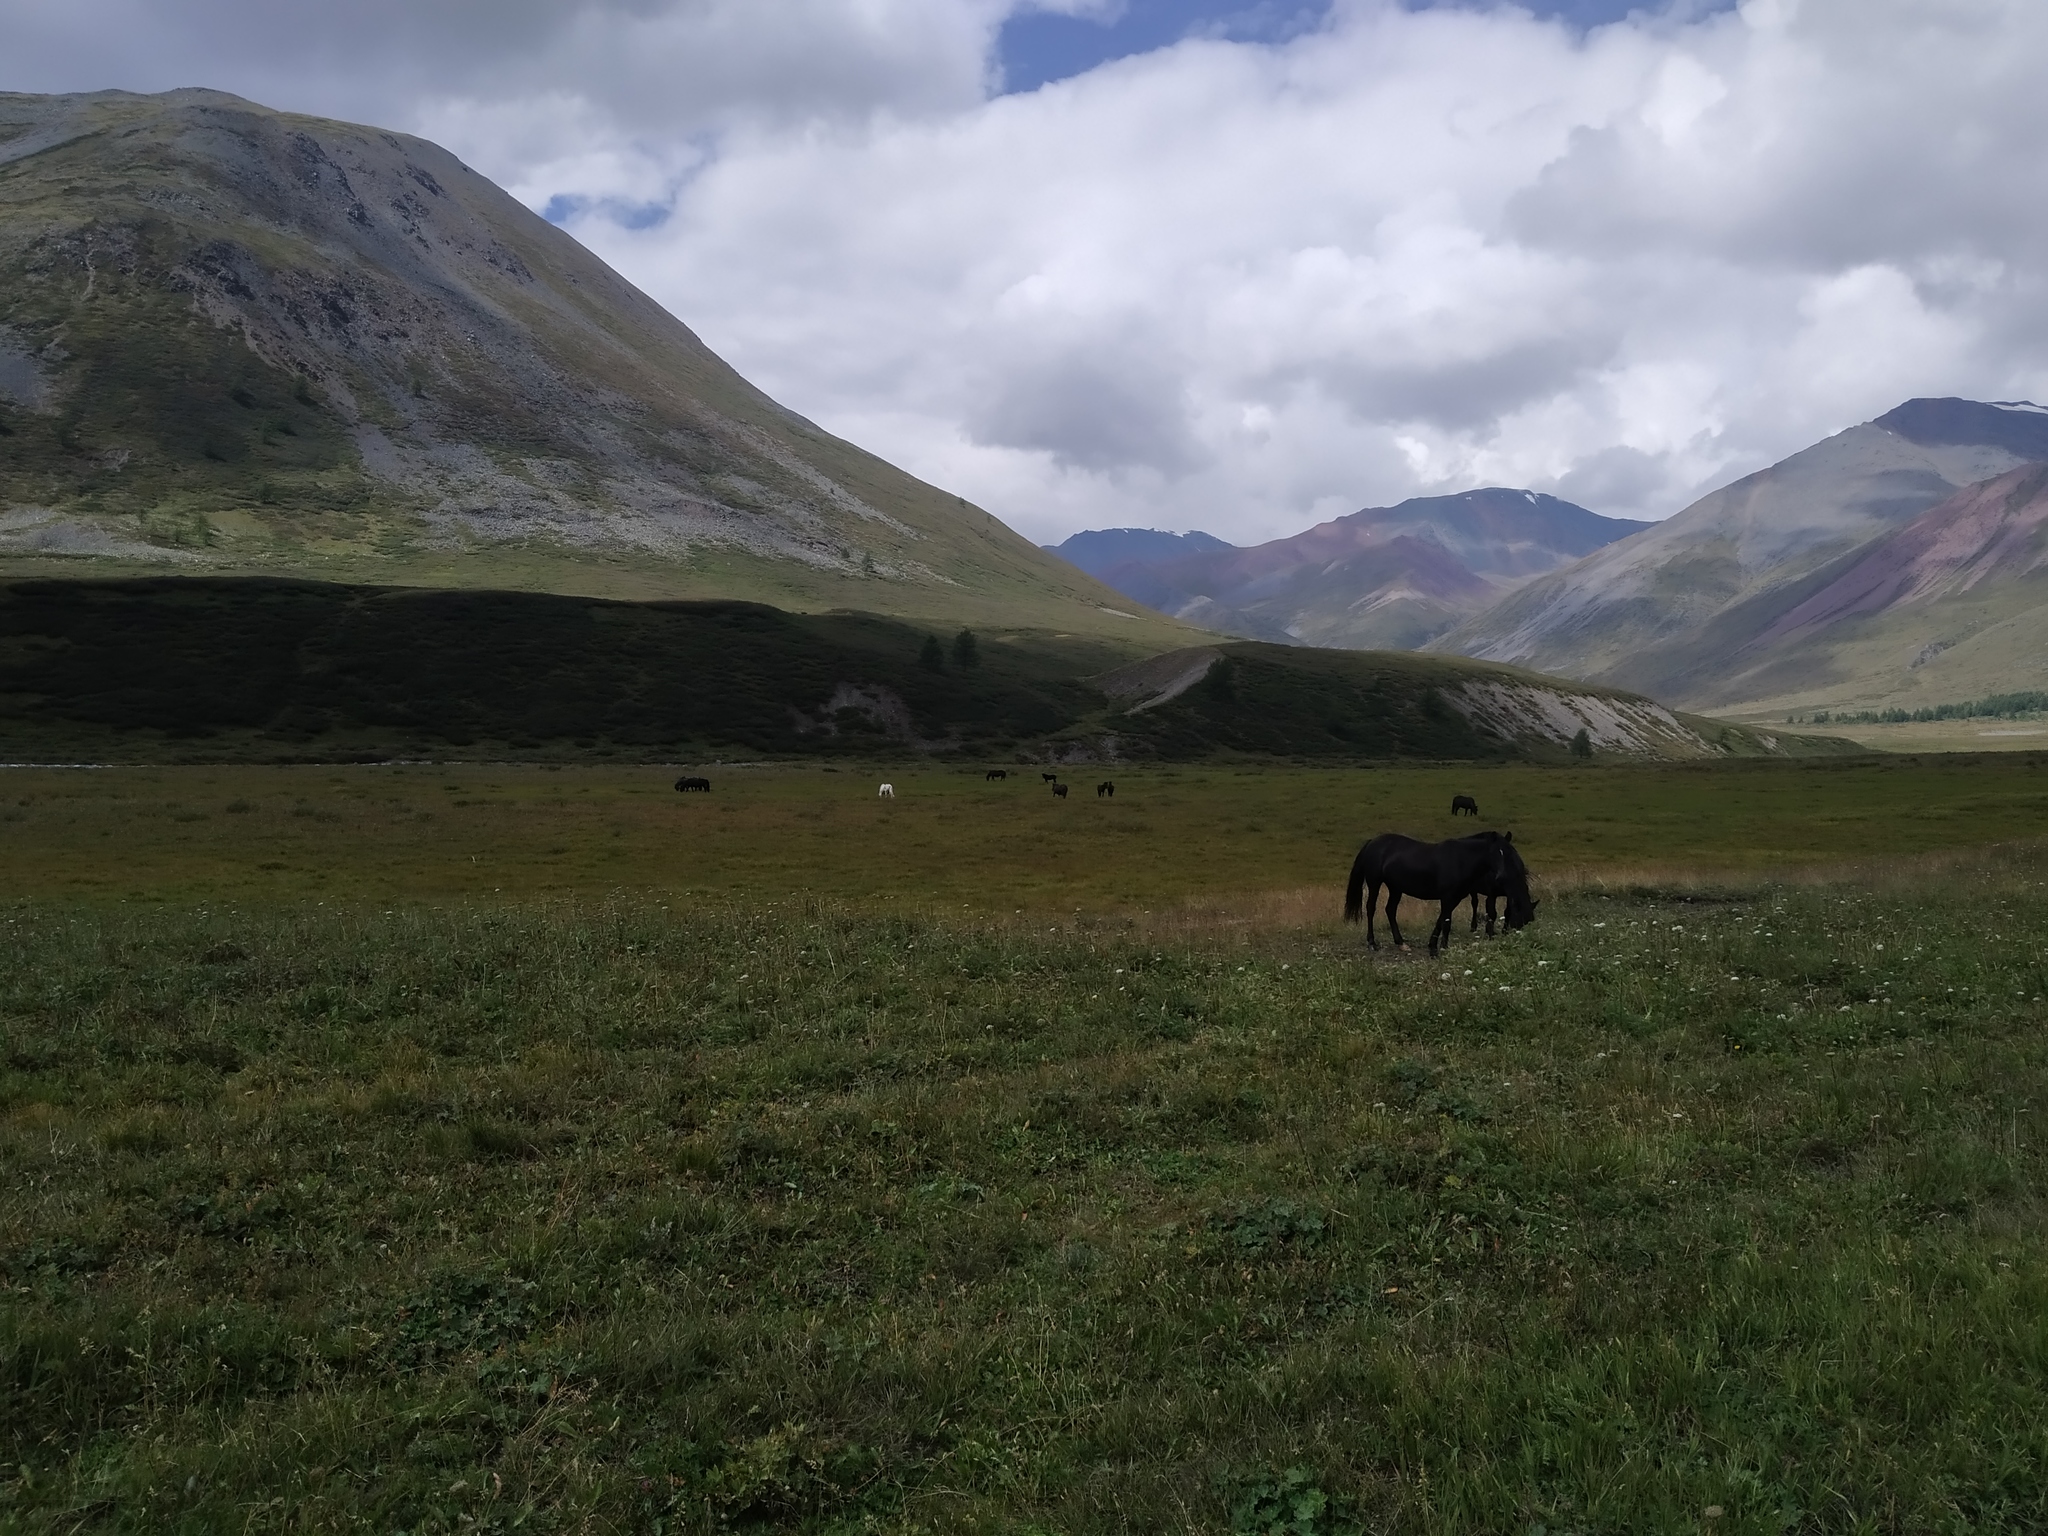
x=240 y=340
x=1901 y=563
x=315 y=443
x=1382 y=578
x=1737 y=602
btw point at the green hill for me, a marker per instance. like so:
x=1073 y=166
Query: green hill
x=210 y=668
x=238 y=340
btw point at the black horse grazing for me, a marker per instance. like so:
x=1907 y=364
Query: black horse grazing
x=998 y=773
x=1105 y=788
x=1048 y=778
x=1516 y=871
x=1445 y=873
x=1464 y=803
x=685 y=785
x=1060 y=790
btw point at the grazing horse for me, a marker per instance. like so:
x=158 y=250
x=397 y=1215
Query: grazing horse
x=997 y=773
x=1060 y=790
x=1445 y=873
x=1516 y=871
x=887 y=791
x=1105 y=788
x=685 y=785
x=1464 y=803
x=1048 y=778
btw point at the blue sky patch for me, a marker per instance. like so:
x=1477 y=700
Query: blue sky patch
x=1039 y=47
x=564 y=206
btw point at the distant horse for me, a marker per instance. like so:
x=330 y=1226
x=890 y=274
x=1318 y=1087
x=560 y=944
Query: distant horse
x=1060 y=790
x=1048 y=778
x=1446 y=873
x=997 y=773
x=887 y=791
x=1105 y=788
x=1464 y=803
x=1516 y=871
x=685 y=785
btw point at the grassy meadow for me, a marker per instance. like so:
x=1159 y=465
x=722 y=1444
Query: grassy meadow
x=442 y=1149
x=949 y=838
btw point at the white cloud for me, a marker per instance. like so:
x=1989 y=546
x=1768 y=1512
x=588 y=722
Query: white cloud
x=1234 y=285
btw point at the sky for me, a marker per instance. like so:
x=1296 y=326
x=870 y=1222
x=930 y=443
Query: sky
x=1237 y=265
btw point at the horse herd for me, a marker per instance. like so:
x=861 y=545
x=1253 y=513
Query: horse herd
x=1456 y=870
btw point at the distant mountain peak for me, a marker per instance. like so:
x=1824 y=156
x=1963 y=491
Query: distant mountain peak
x=1381 y=577
x=1099 y=551
x=2018 y=426
x=1744 y=595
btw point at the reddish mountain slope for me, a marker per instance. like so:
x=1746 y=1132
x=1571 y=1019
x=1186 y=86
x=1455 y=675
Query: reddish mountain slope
x=1985 y=532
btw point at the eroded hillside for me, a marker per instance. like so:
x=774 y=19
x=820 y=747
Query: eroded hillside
x=236 y=339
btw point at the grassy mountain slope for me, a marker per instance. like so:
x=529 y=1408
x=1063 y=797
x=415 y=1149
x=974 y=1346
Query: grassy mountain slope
x=202 y=668
x=1953 y=606
x=1666 y=610
x=233 y=339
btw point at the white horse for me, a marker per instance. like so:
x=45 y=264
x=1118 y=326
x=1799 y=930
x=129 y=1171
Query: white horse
x=888 y=790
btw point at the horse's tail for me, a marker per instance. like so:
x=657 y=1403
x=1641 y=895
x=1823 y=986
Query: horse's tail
x=1354 y=888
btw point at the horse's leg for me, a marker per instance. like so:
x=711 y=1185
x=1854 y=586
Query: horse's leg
x=1475 y=912
x=1393 y=924
x=1440 y=935
x=1372 y=905
x=1489 y=915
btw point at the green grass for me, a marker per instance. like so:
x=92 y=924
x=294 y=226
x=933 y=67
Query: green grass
x=986 y=1162
x=1171 y=835
x=629 y=1214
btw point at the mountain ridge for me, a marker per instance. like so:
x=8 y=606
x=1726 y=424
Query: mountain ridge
x=239 y=339
x=1382 y=577
x=1663 y=610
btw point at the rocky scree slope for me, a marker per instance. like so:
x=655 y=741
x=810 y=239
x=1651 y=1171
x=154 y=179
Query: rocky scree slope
x=237 y=339
x=1269 y=700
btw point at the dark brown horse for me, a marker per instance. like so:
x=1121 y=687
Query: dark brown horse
x=1464 y=803
x=1516 y=871
x=1445 y=873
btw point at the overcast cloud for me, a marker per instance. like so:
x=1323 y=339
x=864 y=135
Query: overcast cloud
x=1254 y=279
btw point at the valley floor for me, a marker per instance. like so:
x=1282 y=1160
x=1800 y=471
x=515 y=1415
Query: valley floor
x=949 y=840
x=448 y=1149
x=1938 y=735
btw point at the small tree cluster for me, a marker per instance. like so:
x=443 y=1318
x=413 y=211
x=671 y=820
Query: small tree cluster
x=966 y=652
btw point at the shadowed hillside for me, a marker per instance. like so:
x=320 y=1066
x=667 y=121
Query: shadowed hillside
x=210 y=668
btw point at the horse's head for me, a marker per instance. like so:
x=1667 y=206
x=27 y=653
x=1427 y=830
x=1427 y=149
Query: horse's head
x=1515 y=884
